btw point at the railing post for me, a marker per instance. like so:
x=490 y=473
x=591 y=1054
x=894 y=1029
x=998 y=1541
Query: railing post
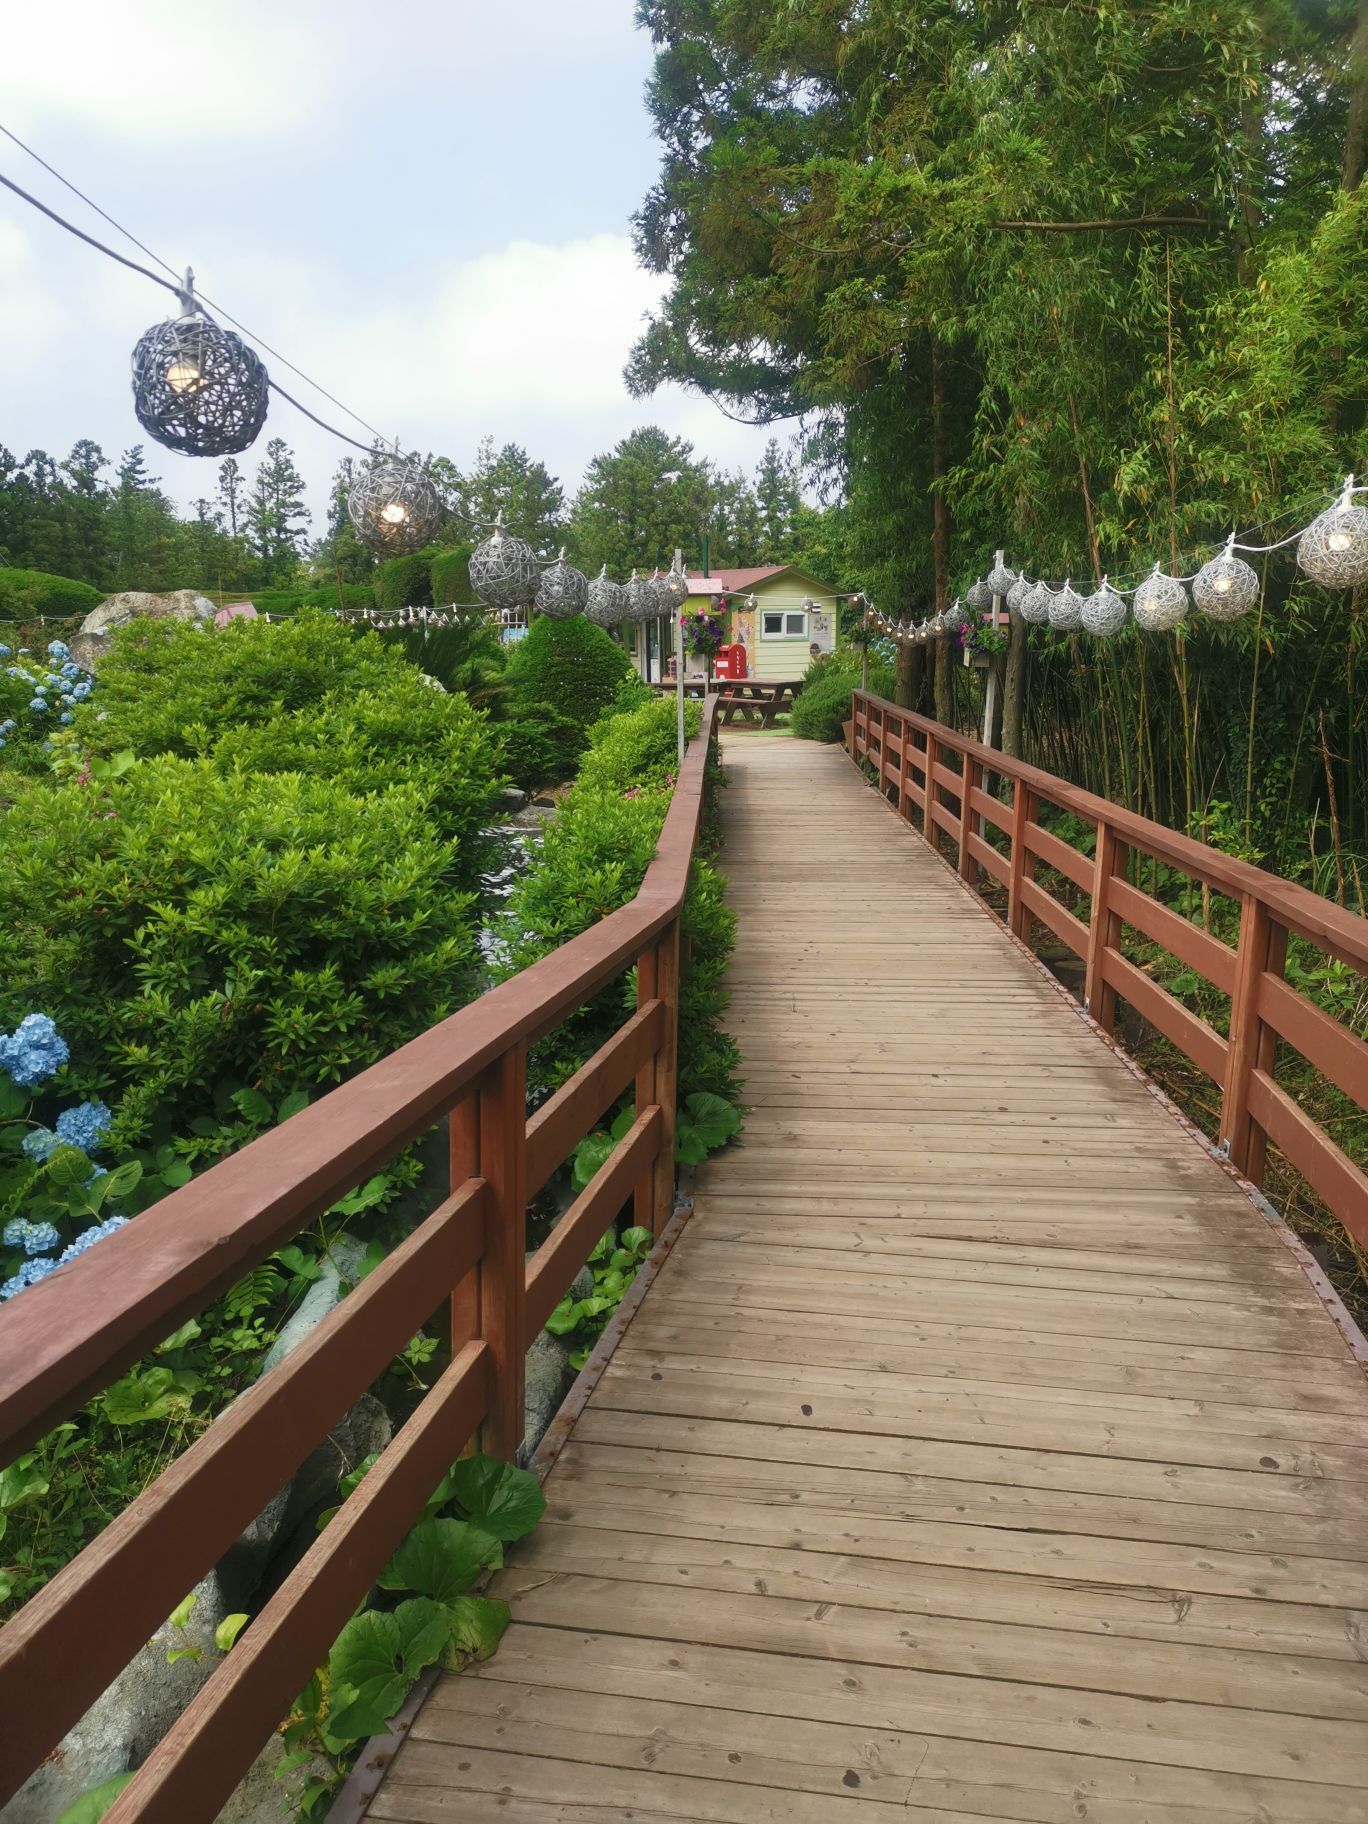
x=1253 y=1046
x=1104 y=927
x=905 y=774
x=971 y=778
x=929 y=796
x=463 y=1148
x=503 y=1162
x=1023 y=808
x=657 y=1080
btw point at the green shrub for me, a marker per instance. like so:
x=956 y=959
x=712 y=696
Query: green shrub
x=25 y=593
x=824 y=704
x=573 y=665
x=405 y=582
x=279 y=602
x=171 y=687
x=366 y=740
x=466 y=655
x=188 y=927
x=449 y=573
x=538 y=748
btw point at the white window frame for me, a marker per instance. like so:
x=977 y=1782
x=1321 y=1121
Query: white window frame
x=787 y=632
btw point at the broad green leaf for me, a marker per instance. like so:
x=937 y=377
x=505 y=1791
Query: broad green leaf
x=252 y=1105
x=292 y=1104
x=178 y=1339
x=177 y=1173
x=92 y=1805
x=565 y=1317
x=477 y=1625
x=177 y=1653
x=123 y=1179
x=622 y=1126
x=713 y=1117
x=13 y=1100
x=690 y=1146
x=635 y=1238
x=22 y=1481
x=440 y=1558
x=504 y=1501
x=373 y=1662
x=590 y=1156
x=68 y=1167
x=145 y=1394
x=228 y=1630
x=181 y=1614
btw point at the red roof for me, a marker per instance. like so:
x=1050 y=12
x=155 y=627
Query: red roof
x=731 y=582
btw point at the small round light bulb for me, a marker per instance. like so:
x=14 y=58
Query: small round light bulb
x=394 y=513
x=183 y=377
x=1221 y=586
x=1339 y=541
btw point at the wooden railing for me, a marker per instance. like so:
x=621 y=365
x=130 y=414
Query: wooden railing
x=66 y=1338
x=922 y=766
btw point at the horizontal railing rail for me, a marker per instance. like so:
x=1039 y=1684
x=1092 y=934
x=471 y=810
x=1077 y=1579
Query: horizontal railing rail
x=80 y=1328
x=910 y=758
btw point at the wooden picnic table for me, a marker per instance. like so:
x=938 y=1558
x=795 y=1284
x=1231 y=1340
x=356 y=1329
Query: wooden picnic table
x=758 y=702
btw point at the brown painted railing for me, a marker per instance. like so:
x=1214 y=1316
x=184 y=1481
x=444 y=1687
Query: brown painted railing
x=911 y=758
x=74 y=1333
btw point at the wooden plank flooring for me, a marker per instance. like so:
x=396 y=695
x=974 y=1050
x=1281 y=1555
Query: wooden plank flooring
x=980 y=1453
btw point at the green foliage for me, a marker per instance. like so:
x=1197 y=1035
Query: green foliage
x=824 y=704
x=185 y=925
x=614 y=1263
x=405 y=582
x=92 y=1805
x=381 y=1651
x=449 y=574
x=24 y=594
x=571 y=665
x=704 y=1123
x=539 y=747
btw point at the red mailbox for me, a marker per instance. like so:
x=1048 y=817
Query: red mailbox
x=730 y=661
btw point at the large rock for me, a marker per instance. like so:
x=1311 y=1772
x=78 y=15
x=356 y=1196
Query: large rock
x=135 y=604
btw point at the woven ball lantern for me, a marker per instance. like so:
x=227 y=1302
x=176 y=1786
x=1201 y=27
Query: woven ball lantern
x=1160 y=603
x=674 y=592
x=1018 y=592
x=394 y=506
x=979 y=595
x=1103 y=613
x=1000 y=577
x=197 y=388
x=1225 y=588
x=1065 y=608
x=1334 y=548
x=953 y=618
x=606 y=604
x=504 y=572
x=642 y=603
x=1035 y=604
x=563 y=590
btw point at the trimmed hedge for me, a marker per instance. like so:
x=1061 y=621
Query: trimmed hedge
x=450 y=577
x=25 y=593
x=405 y=582
x=824 y=704
x=572 y=665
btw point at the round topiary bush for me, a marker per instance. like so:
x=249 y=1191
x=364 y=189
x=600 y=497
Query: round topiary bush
x=571 y=664
x=824 y=705
x=27 y=593
x=450 y=573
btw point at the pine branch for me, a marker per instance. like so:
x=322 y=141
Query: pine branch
x=1125 y=224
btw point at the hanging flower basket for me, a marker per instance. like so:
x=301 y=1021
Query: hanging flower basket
x=703 y=634
x=981 y=641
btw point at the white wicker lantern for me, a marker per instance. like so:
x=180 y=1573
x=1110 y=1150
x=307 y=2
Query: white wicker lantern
x=979 y=596
x=1334 y=548
x=1065 y=608
x=1035 y=604
x=1018 y=592
x=1160 y=603
x=1103 y=613
x=1226 y=587
x=1000 y=577
x=504 y=572
x=563 y=590
x=394 y=506
x=606 y=603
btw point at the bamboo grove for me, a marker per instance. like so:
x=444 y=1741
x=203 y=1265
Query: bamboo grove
x=1080 y=280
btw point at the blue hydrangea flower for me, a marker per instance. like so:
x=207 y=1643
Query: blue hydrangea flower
x=38 y=705
x=8 y=724
x=59 y=649
x=15 y=1230
x=91 y=1236
x=84 y=1126
x=40 y=1143
x=67 y=716
x=34 y=1051
x=5 y=650
x=32 y=1237
x=52 y=681
x=28 y=1275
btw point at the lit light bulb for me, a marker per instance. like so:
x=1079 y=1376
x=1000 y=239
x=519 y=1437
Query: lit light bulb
x=1339 y=541
x=393 y=513
x=1221 y=586
x=183 y=377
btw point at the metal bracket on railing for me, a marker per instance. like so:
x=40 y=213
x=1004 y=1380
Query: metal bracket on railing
x=1223 y=1147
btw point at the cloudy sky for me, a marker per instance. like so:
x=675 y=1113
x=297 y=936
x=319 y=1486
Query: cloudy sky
x=423 y=203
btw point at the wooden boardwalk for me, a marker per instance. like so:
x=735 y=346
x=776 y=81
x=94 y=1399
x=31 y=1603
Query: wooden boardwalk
x=980 y=1451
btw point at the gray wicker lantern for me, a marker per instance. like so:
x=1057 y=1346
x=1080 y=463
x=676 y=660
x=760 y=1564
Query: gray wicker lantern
x=504 y=572
x=606 y=603
x=563 y=590
x=979 y=595
x=1225 y=588
x=1035 y=604
x=1065 y=608
x=197 y=388
x=674 y=592
x=1334 y=548
x=1103 y=613
x=1018 y=592
x=1000 y=578
x=642 y=602
x=1160 y=603
x=394 y=506
x=953 y=618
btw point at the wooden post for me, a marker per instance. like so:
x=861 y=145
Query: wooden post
x=1020 y=868
x=503 y=1162
x=657 y=1080
x=1262 y=950
x=973 y=776
x=929 y=797
x=463 y=1148
x=1104 y=927
x=905 y=774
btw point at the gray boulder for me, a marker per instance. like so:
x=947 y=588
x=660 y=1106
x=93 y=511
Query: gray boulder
x=117 y=611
